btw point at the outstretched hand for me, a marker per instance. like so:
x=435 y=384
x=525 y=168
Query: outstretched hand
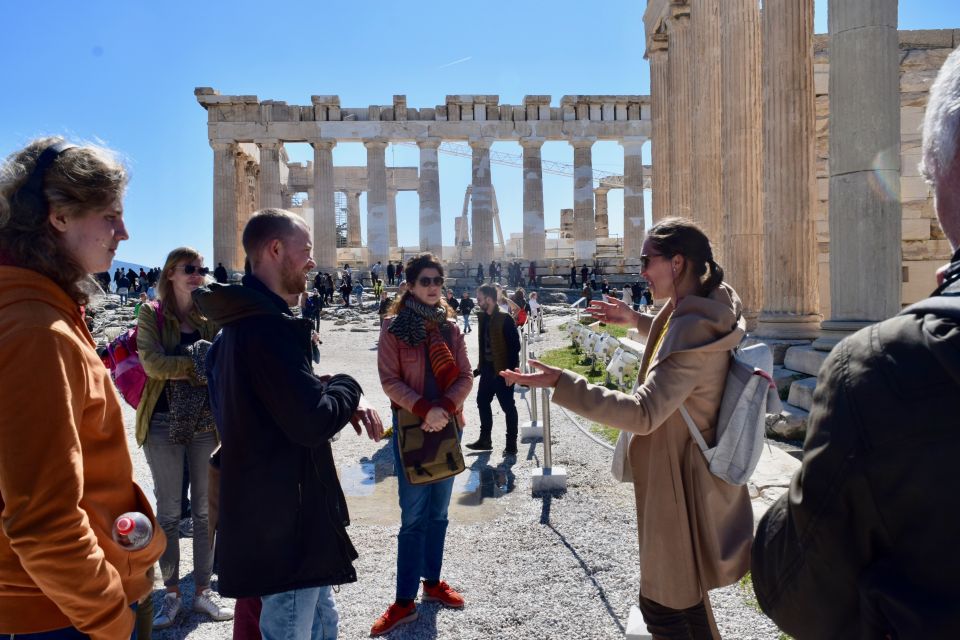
x=366 y=417
x=547 y=376
x=612 y=311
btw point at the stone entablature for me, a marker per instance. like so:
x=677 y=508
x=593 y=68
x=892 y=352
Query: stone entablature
x=350 y=179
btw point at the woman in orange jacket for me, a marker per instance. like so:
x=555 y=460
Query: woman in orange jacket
x=65 y=470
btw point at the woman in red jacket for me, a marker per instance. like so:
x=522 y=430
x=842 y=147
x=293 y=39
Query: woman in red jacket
x=424 y=370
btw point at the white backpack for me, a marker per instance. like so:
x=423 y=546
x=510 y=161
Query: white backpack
x=747 y=397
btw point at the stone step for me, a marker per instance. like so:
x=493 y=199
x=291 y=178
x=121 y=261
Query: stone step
x=790 y=424
x=805 y=359
x=801 y=393
x=783 y=378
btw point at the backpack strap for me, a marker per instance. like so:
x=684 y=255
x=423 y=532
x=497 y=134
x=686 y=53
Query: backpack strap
x=694 y=431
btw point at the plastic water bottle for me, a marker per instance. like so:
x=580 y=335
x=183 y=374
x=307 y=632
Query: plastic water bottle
x=132 y=530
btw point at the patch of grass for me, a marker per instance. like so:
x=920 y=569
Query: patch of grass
x=569 y=359
x=609 y=434
x=750 y=597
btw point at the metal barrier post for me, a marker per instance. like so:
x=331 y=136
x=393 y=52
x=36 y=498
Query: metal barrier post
x=548 y=478
x=547 y=445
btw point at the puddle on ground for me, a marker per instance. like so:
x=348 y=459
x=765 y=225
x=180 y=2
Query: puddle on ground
x=359 y=479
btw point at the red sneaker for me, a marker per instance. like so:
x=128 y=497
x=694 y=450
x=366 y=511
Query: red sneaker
x=394 y=617
x=442 y=593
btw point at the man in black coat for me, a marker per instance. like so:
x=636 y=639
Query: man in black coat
x=282 y=514
x=864 y=545
x=220 y=273
x=390 y=272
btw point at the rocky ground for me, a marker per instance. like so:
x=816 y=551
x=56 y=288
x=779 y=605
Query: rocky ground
x=545 y=566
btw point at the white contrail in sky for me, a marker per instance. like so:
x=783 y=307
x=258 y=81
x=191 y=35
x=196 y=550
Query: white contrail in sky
x=450 y=64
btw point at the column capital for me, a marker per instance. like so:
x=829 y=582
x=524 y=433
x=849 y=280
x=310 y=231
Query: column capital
x=325 y=144
x=267 y=143
x=601 y=190
x=392 y=191
x=429 y=143
x=629 y=142
x=376 y=143
x=582 y=142
x=223 y=145
x=480 y=143
x=531 y=142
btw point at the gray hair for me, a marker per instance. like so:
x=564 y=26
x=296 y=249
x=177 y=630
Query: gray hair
x=941 y=125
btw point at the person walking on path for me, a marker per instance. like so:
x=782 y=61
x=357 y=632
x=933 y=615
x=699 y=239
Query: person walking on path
x=573 y=277
x=584 y=275
x=123 y=289
x=172 y=338
x=694 y=529
x=220 y=273
x=479 y=276
x=466 y=310
x=65 y=469
x=390 y=272
x=424 y=370
x=282 y=514
x=375 y=272
x=499 y=351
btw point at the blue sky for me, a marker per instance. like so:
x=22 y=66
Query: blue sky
x=123 y=73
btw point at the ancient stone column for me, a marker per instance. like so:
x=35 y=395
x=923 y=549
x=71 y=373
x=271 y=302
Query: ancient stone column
x=707 y=199
x=534 y=235
x=377 y=231
x=660 y=115
x=634 y=225
x=741 y=134
x=790 y=305
x=865 y=219
x=226 y=228
x=431 y=236
x=270 y=197
x=353 y=219
x=482 y=201
x=324 y=205
x=584 y=225
x=682 y=69
x=601 y=220
x=392 y=216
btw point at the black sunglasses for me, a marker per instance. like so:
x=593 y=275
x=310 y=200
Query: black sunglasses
x=426 y=282
x=645 y=259
x=190 y=269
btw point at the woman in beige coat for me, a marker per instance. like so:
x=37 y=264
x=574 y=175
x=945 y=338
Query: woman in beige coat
x=694 y=529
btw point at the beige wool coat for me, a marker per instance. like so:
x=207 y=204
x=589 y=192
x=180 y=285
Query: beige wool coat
x=694 y=529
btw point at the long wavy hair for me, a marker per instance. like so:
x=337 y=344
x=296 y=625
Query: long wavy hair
x=411 y=272
x=81 y=180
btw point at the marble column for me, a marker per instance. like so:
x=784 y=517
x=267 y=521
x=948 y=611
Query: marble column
x=482 y=202
x=431 y=231
x=584 y=225
x=790 y=305
x=741 y=135
x=378 y=238
x=353 y=219
x=534 y=234
x=392 y=216
x=682 y=70
x=324 y=205
x=660 y=125
x=226 y=228
x=270 y=196
x=865 y=221
x=601 y=219
x=634 y=225
x=707 y=199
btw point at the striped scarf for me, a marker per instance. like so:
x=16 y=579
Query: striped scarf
x=417 y=322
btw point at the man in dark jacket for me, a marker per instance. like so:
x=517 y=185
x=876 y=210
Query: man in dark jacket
x=282 y=515
x=499 y=350
x=220 y=273
x=390 y=272
x=864 y=545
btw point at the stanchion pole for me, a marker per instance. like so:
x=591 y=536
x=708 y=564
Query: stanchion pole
x=547 y=447
x=533 y=406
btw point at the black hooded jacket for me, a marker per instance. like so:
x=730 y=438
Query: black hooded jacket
x=865 y=543
x=283 y=518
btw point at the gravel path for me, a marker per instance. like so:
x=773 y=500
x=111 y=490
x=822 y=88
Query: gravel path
x=554 y=566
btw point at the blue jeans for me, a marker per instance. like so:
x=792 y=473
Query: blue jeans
x=69 y=633
x=466 y=322
x=300 y=614
x=423 y=528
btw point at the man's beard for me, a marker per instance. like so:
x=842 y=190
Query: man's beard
x=293 y=279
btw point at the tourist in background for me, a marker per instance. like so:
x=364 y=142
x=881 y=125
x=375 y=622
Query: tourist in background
x=123 y=289
x=220 y=273
x=424 y=370
x=390 y=273
x=573 y=276
x=65 y=470
x=452 y=301
x=479 y=276
x=627 y=296
x=377 y=288
x=532 y=275
x=172 y=339
x=695 y=529
x=466 y=310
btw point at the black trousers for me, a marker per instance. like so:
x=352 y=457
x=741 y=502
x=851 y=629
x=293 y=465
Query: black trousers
x=686 y=624
x=492 y=385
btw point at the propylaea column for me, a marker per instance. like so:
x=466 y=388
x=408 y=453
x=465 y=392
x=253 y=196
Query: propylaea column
x=534 y=235
x=741 y=132
x=270 y=197
x=584 y=225
x=602 y=220
x=482 y=201
x=634 y=225
x=226 y=232
x=431 y=232
x=682 y=69
x=377 y=232
x=790 y=305
x=324 y=205
x=353 y=219
x=707 y=200
x=865 y=211
x=392 y=216
x=660 y=125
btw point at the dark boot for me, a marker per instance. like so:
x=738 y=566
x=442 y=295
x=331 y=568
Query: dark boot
x=483 y=443
x=511 y=448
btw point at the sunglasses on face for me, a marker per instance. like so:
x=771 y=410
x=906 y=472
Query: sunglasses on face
x=436 y=281
x=190 y=269
x=645 y=260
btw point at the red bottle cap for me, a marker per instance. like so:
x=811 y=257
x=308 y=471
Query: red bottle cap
x=125 y=525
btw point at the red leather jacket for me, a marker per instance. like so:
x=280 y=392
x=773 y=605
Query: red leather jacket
x=402 y=370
